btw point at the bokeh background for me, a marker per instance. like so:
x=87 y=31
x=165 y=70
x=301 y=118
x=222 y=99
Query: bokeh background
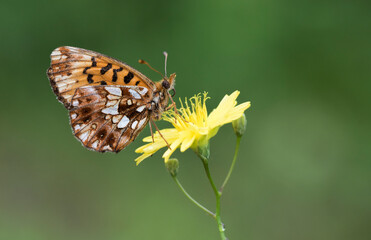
x=304 y=165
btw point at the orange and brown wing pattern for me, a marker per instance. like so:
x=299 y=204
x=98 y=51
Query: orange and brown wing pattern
x=72 y=68
x=108 y=118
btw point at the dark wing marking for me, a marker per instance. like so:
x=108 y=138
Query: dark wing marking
x=108 y=118
x=72 y=68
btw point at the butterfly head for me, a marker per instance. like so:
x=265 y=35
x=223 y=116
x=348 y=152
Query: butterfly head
x=168 y=83
x=164 y=90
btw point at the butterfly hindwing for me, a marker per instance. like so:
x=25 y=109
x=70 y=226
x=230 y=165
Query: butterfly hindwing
x=72 y=68
x=108 y=118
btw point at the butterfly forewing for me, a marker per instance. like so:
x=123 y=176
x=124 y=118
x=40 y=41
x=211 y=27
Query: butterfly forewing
x=108 y=118
x=72 y=68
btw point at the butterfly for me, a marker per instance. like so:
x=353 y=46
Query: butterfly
x=109 y=102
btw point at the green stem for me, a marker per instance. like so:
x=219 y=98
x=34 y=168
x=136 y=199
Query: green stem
x=192 y=199
x=233 y=163
x=217 y=196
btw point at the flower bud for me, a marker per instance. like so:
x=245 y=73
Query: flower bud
x=172 y=166
x=239 y=125
x=203 y=149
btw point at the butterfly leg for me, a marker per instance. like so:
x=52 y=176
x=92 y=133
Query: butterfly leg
x=158 y=130
x=170 y=107
x=173 y=105
x=150 y=128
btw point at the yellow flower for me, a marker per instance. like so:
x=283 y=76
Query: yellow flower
x=192 y=125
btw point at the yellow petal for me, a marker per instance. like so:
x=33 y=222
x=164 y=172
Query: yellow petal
x=187 y=143
x=217 y=116
x=140 y=149
x=167 y=133
x=235 y=112
x=141 y=158
x=170 y=151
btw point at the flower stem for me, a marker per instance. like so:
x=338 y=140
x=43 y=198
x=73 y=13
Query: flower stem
x=232 y=165
x=192 y=199
x=217 y=196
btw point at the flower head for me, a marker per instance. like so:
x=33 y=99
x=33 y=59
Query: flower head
x=192 y=125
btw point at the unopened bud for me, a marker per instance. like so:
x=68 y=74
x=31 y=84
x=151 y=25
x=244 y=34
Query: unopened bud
x=172 y=166
x=239 y=125
x=203 y=149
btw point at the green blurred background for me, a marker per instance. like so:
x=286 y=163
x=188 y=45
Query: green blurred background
x=304 y=165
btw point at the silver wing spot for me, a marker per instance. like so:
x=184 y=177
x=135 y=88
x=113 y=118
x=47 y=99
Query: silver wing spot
x=141 y=108
x=116 y=119
x=141 y=122
x=114 y=90
x=112 y=110
x=124 y=122
x=84 y=136
x=111 y=97
x=135 y=94
x=95 y=144
x=134 y=124
x=143 y=91
x=111 y=103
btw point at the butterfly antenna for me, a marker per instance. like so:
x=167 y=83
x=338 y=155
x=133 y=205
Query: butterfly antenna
x=144 y=62
x=165 y=54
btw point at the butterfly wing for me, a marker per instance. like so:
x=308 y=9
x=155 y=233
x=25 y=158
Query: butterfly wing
x=72 y=68
x=108 y=118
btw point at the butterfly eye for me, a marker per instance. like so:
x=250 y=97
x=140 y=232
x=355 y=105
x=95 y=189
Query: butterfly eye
x=165 y=84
